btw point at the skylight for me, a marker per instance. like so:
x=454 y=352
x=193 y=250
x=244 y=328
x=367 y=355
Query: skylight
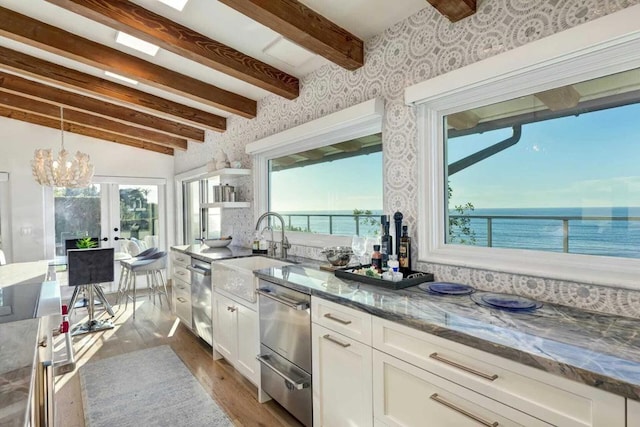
x=119 y=77
x=176 y=4
x=137 y=44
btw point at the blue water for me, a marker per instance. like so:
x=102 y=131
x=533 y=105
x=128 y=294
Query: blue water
x=342 y=223
x=594 y=237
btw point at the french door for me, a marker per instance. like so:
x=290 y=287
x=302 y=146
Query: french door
x=110 y=212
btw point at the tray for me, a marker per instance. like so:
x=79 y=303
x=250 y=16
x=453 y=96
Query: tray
x=347 y=273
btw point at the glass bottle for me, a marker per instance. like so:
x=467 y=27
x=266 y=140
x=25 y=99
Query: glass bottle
x=404 y=251
x=376 y=258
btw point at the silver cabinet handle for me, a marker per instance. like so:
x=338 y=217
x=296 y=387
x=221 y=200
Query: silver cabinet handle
x=181 y=273
x=334 y=340
x=199 y=270
x=180 y=299
x=296 y=305
x=231 y=309
x=298 y=385
x=464 y=368
x=476 y=418
x=337 y=319
x=181 y=259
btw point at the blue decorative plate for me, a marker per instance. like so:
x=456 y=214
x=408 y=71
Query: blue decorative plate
x=512 y=302
x=446 y=288
x=506 y=302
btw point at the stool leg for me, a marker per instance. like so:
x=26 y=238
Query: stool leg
x=164 y=285
x=134 y=293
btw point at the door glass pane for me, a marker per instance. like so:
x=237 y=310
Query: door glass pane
x=77 y=214
x=139 y=213
x=192 y=212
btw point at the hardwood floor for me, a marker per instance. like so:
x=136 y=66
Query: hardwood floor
x=154 y=326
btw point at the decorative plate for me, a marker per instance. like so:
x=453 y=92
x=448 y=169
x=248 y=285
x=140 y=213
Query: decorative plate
x=446 y=288
x=506 y=302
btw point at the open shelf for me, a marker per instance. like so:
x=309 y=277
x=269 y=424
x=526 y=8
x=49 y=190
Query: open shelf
x=226 y=205
x=227 y=172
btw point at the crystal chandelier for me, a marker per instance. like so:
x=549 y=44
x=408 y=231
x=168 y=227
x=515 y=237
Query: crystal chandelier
x=65 y=170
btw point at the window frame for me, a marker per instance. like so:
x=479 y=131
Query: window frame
x=353 y=122
x=604 y=46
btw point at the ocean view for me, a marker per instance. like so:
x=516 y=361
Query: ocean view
x=600 y=236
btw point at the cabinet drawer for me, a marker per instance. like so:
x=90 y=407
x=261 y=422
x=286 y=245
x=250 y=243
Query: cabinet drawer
x=182 y=302
x=178 y=258
x=181 y=273
x=339 y=318
x=556 y=400
x=405 y=395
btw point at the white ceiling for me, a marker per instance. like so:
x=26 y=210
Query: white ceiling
x=364 y=18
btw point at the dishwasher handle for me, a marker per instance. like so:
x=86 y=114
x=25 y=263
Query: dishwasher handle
x=199 y=270
x=298 y=385
x=291 y=303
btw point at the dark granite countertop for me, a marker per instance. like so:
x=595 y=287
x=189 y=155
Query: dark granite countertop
x=599 y=350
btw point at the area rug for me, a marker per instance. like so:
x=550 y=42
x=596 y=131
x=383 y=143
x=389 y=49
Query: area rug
x=150 y=387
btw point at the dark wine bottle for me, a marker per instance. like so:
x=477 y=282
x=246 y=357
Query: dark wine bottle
x=404 y=251
x=386 y=241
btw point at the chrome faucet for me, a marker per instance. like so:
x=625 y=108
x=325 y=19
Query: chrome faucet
x=285 y=242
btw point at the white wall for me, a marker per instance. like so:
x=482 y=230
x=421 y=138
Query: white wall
x=27 y=198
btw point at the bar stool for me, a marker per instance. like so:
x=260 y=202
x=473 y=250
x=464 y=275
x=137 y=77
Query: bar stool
x=152 y=266
x=125 y=269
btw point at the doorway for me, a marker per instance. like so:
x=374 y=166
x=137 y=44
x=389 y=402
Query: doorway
x=129 y=211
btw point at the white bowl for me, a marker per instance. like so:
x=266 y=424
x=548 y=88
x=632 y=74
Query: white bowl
x=217 y=243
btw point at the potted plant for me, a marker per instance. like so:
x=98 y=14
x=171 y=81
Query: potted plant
x=86 y=243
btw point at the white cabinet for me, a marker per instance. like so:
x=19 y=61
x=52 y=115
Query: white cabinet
x=342 y=394
x=181 y=287
x=405 y=395
x=550 y=398
x=342 y=365
x=633 y=413
x=236 y=338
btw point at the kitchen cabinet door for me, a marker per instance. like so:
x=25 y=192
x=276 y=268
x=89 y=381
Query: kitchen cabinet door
x=342 y=380
x=224 y=321
x=407 y=396
x=633 y=413
x=248 y=343
x=236 y=335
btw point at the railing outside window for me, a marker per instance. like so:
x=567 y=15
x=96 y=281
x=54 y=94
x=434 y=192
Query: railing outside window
x=596 y=235
x=337 y=224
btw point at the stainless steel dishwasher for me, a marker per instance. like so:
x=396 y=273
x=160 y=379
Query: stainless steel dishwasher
x=201 y=308
x=285 y=348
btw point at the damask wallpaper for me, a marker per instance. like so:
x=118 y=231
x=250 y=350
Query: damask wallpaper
x=421 y=47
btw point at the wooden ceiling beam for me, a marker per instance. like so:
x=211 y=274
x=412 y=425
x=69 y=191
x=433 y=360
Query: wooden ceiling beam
x=52 y=111
x=21 y=28
x=305 y=27
x=19 y=85
x=454 y=10
x=82 y=130
x=132 y=19
x=67 y=77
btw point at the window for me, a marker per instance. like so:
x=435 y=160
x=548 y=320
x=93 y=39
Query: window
x=492 y=100
x=553 y=171
x=335 y=189
x=321 y=150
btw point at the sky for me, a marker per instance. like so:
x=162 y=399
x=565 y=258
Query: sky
x=345 y=184
x=591 y=160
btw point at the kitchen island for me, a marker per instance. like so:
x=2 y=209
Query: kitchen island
x=25 y=297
